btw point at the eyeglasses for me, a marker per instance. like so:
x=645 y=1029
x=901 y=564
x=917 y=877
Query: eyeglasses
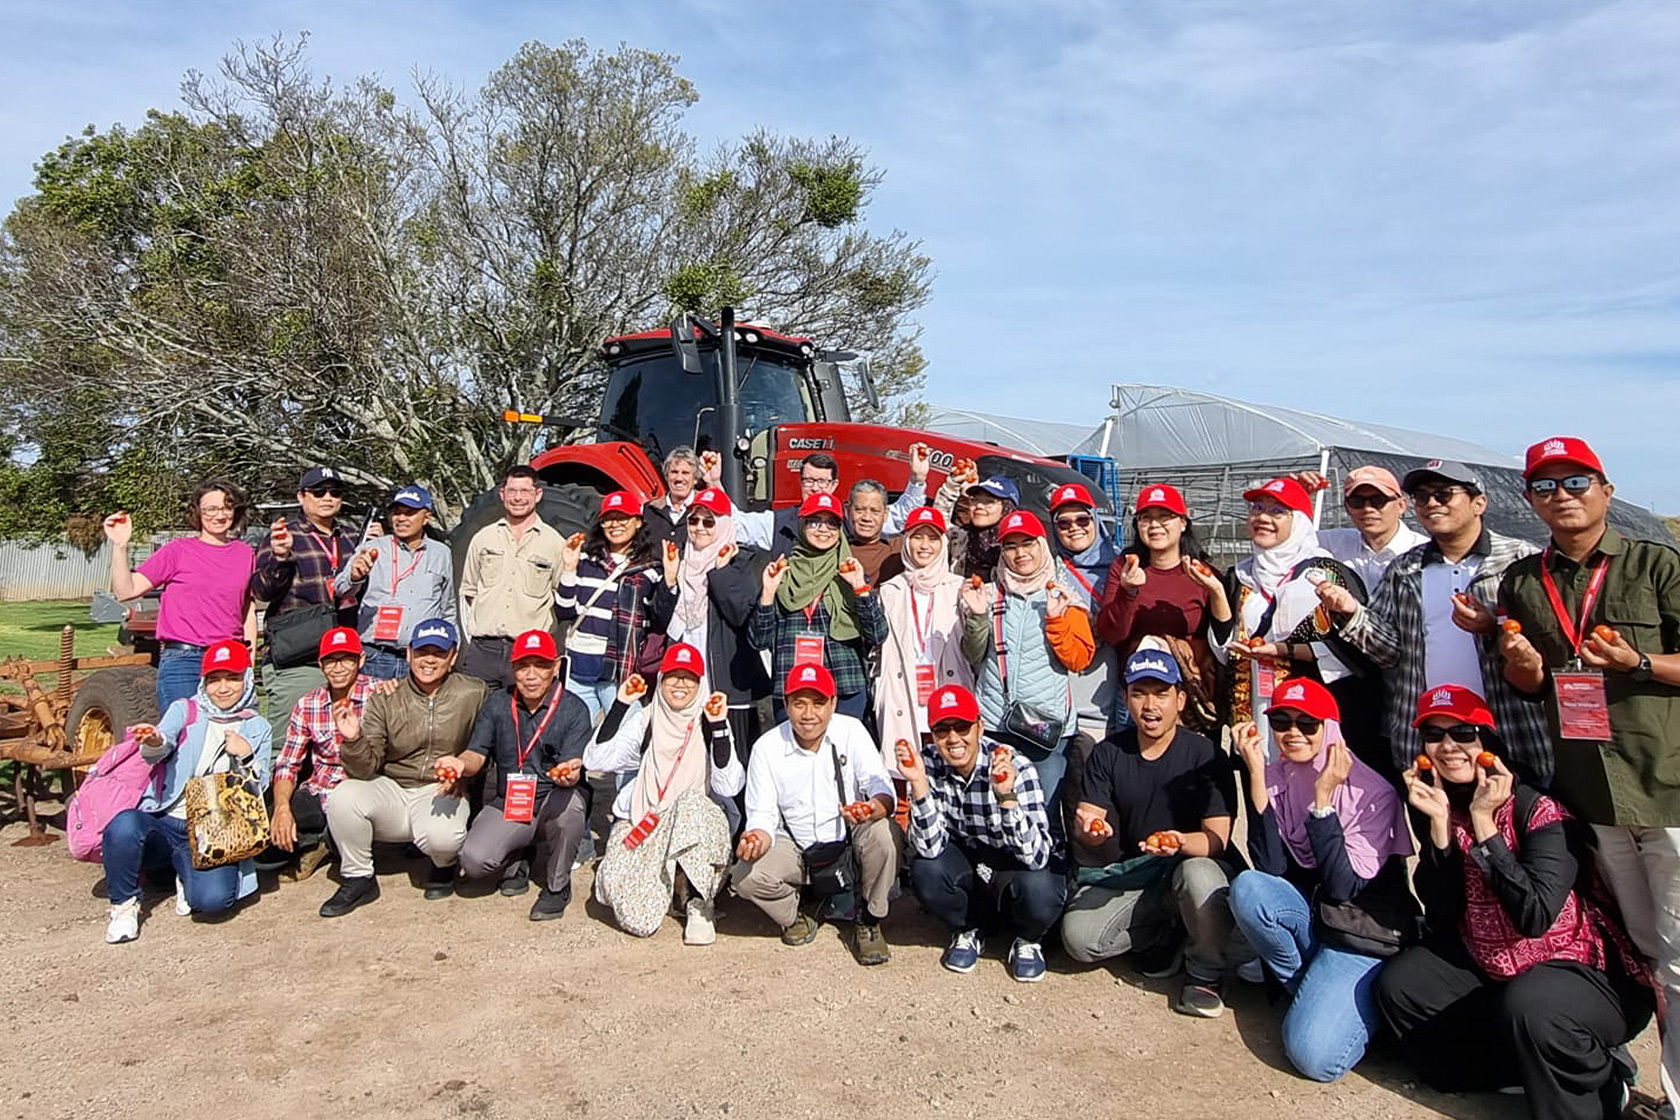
x=826 y=524
x=1020 y=545
x=324 y=492
x=953 y=727
x=1155 y=516
x=1078 y=521
x=1460 y=733
x=1283 y=721
x=704 y=520
x=1270 y=509
x=1440 y=495
x=1368 y=501
x=806 y=482
x=1576 y=484
x=217 y=511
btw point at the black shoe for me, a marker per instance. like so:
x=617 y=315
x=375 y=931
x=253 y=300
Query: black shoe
x=549 y=905
x=350 y=894
x=517 y=880
x=440 y=882
x=1161 y=960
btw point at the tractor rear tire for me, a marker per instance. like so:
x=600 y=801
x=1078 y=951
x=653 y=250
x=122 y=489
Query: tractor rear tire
x=106 y=704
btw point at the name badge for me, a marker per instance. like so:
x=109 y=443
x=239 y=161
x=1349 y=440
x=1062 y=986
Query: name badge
x=387 y=624
x=1265 y=681
x=925 y=684
x=1583 y=712
x=520 y=801
x=808 y=649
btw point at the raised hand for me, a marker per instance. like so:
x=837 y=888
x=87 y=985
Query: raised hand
x=1132 y=573
x=911 y=766
x=725 y=554
x=773 y=573
x=571 y=551
x=1312 y=481
x=345 y=720
x=965 y=472
x=1472 y=616
x=1338 y=764
x=1605 y=648
x=973 y=598
x=711 y=468
x=1056 y=601
x=119 y=530
x=1003 y=771
x=671 y=558
x=1202 y=573
x=1424 y=792
x=1336 y=598
x=852 y=572
x=920 y=458
x=632 y=688
x=717 y=706
x=1493 y=788
x=280 y=539
x=362 y=564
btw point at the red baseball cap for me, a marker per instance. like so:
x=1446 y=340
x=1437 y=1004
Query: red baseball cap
x=952 y=702
x=534 y=643
x=1158 y=495
x=1071 y=494
x=715 y=500
x=1019 y=522
x=1305 y=696
x=682 y=658
x=1455 y=701
x=1561 y=449
x=621 y=501
x=809 y=677
x=822 y=503
x=1285 y=490
x=928 y=516
x=340 y=639
x=230 y=656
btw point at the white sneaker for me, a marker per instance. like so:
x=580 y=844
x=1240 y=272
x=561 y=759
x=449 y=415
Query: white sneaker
x=181 y=907
x=699 y=929
x=124 y=923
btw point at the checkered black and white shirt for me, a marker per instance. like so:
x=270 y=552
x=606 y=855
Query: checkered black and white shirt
x=966 y=812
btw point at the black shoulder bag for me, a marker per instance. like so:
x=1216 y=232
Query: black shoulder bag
x=830 y=865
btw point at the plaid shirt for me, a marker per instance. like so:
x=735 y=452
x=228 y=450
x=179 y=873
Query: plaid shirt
x=311 y=732
x=966 y=812
x=305 y=577
x=772 y=628
x=1389 y=629
x=614 y=616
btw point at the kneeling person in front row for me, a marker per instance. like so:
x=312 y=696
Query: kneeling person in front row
x=1156 y=809
x=819 y=807
x=979 y=845
x=536 y=732
x=402 y=771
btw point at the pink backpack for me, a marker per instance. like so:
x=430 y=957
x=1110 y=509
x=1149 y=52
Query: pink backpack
x=115 y=783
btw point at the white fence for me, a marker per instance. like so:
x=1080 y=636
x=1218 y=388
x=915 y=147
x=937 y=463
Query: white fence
x=57 y=571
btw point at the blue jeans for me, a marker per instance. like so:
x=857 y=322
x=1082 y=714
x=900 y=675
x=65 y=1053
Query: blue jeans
x=384 y=664
x=1334 y=1011
x=135 y=840
x=1019 y=902
x=599 y=695
x=177 y=675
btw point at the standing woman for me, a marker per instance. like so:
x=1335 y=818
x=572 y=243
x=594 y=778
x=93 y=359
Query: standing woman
x=1326 y=834
x=1027 y=638
x=1085 y=554
x=923 y=650
x=618 y=592
x=204 y=581
x=1523 y=979
x=1162 y=584
x=988 y=503
x=668 y=819
x=717 y=588
x=814 y=606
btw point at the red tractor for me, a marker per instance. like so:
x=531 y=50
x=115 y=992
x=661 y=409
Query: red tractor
x=764 y=401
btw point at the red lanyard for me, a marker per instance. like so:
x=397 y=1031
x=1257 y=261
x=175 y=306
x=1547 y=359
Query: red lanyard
x=1075 y=573
x=659 y=790
x=396 y=554
x=1572 y=633
x=811 y=610
x=331 y=552
x=916 y=619
x=513 y=706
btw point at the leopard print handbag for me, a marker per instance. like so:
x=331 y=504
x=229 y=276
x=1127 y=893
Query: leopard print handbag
x=226 y=819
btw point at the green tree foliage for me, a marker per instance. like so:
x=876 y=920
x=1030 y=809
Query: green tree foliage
x=286 y=271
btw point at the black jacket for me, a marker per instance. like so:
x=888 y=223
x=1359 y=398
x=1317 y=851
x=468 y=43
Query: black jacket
x=737 y=669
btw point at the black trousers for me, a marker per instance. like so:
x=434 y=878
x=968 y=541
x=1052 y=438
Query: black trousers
x=487 y=659
x=311 y=821
x=1022 y=903
x=1549 y=1030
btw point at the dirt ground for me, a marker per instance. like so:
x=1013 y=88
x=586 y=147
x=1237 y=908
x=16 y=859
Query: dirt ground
x=463 y=1008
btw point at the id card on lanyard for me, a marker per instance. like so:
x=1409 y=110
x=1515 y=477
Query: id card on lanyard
x=387 y=620
x=520 y=802
x=926 y=680
x=1583 y=711
x=808 y=648
x=348 y=599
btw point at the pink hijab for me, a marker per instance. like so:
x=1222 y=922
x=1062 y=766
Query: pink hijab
x=696 y=564
x=1373 y=826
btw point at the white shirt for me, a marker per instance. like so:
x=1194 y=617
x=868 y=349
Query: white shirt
x=1348 y=546
x=621 y=753
x=1449 y=653
x=785 y=782
x=756 y=528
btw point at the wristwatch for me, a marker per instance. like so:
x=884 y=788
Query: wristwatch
x=1642 y=671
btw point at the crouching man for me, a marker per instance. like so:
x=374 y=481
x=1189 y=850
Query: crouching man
x=535 y=732
x=819 y=828
x=403 y=770
x=980 y=843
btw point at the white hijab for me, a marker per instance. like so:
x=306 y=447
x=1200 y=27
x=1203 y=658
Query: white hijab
x=1267 y=569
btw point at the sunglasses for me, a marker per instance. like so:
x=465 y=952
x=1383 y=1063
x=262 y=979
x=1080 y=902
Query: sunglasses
x=953 y=727
x=1460 y=733
x=705 y=521
x=1576 y=484
x=1440 y=495
x=1283 y=721
x=324 y=492
x=1079 y=521
x=1368 y=501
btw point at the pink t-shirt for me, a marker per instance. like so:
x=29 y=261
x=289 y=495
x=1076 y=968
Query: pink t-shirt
x=205 y=589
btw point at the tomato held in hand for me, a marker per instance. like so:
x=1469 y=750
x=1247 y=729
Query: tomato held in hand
x=1511 y=626
x=1605 y=634
x=1486 y=760
x=1424 y=765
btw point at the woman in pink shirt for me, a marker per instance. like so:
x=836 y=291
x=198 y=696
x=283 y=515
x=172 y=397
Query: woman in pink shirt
x=203 y=581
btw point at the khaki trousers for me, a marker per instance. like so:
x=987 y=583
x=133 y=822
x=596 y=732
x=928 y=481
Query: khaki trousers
x=360 y=812
x=772 y=881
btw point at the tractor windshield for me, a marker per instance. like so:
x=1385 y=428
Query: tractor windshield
x=652 y=401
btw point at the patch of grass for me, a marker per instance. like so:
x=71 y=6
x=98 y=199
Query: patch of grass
x=30 y=630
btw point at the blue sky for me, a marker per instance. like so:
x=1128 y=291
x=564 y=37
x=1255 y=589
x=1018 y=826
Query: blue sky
x=1456 y=216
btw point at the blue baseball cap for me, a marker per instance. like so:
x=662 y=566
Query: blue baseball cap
x=998 y=487
x=1152 y=664
x=438 y=633
x=414 y=497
